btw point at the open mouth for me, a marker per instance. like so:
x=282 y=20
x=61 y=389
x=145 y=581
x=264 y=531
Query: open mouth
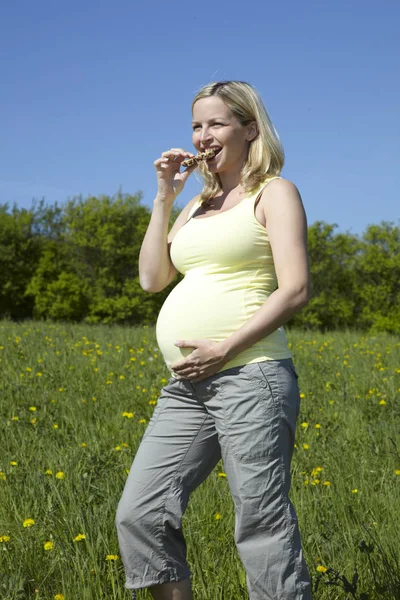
x=217 y=150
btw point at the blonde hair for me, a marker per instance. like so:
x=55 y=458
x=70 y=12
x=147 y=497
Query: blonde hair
x=265 y=157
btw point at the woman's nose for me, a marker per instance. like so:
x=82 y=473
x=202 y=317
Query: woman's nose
x=205 y=135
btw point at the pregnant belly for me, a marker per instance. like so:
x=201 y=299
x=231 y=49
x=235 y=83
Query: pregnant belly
x=194 y=311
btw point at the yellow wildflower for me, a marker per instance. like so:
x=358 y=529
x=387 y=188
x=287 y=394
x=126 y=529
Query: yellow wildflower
x=13 y=463
x=128 y=415
x=32 y=408
x=306 y=446
x=59 y=597
x=79 y=537
x=48 y=472
x=355 y=491
x=28 y=523
x=4 y=538
x=321 y=569
x=221 y=474
x=60 y=475
x=316 y=470
x=304 y=425
x=14 y=418
x=112 y=557
x=48 y=545
x=217 y=516
x=2 y=476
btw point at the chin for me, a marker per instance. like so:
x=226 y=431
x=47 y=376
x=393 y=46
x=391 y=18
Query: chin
x=215 y=168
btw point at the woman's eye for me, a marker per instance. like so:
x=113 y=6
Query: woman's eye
x=195 y=127
x=215 y=124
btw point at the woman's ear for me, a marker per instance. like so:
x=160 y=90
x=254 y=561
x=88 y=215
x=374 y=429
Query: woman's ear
x=252 y=131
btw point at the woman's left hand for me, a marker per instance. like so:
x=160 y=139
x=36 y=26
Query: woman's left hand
x=206 y=359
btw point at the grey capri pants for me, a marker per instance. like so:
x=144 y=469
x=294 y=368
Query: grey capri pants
x=247 y=416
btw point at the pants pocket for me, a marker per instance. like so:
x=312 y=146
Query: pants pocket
x=282 y=379
x=250 y=415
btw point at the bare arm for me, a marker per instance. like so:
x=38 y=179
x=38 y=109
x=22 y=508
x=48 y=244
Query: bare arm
x=156 y=270
x=287 y=231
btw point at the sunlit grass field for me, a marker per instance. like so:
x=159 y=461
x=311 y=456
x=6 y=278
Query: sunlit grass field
x=75 y=401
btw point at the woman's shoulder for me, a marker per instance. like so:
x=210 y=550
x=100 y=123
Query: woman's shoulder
x=277 y=182
x=278 y=186
x=279 y=196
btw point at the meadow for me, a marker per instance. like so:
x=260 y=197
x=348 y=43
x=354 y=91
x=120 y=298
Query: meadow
x=75 y=401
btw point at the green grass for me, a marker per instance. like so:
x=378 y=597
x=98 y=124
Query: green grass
x=81 y=379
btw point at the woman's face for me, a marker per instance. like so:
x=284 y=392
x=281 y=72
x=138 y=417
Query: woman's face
x=214 y=125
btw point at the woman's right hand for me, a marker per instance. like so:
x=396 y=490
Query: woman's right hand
x=170 y=180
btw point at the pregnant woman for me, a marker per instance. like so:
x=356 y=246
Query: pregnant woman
x=233 y=392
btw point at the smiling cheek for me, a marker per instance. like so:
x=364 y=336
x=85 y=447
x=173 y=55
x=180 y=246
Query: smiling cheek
x=195 y=140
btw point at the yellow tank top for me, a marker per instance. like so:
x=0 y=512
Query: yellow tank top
x=228 y=273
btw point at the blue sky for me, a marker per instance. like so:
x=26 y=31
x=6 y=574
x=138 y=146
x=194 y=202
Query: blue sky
x=93 y=92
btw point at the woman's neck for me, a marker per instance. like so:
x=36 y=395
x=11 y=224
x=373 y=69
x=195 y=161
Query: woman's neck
x=229 y=182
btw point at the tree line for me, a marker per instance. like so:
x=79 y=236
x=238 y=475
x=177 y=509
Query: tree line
x=79 y=262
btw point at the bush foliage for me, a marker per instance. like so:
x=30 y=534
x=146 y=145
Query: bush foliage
x=79 y=263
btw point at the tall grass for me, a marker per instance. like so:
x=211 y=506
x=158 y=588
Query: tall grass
x=75 y=401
